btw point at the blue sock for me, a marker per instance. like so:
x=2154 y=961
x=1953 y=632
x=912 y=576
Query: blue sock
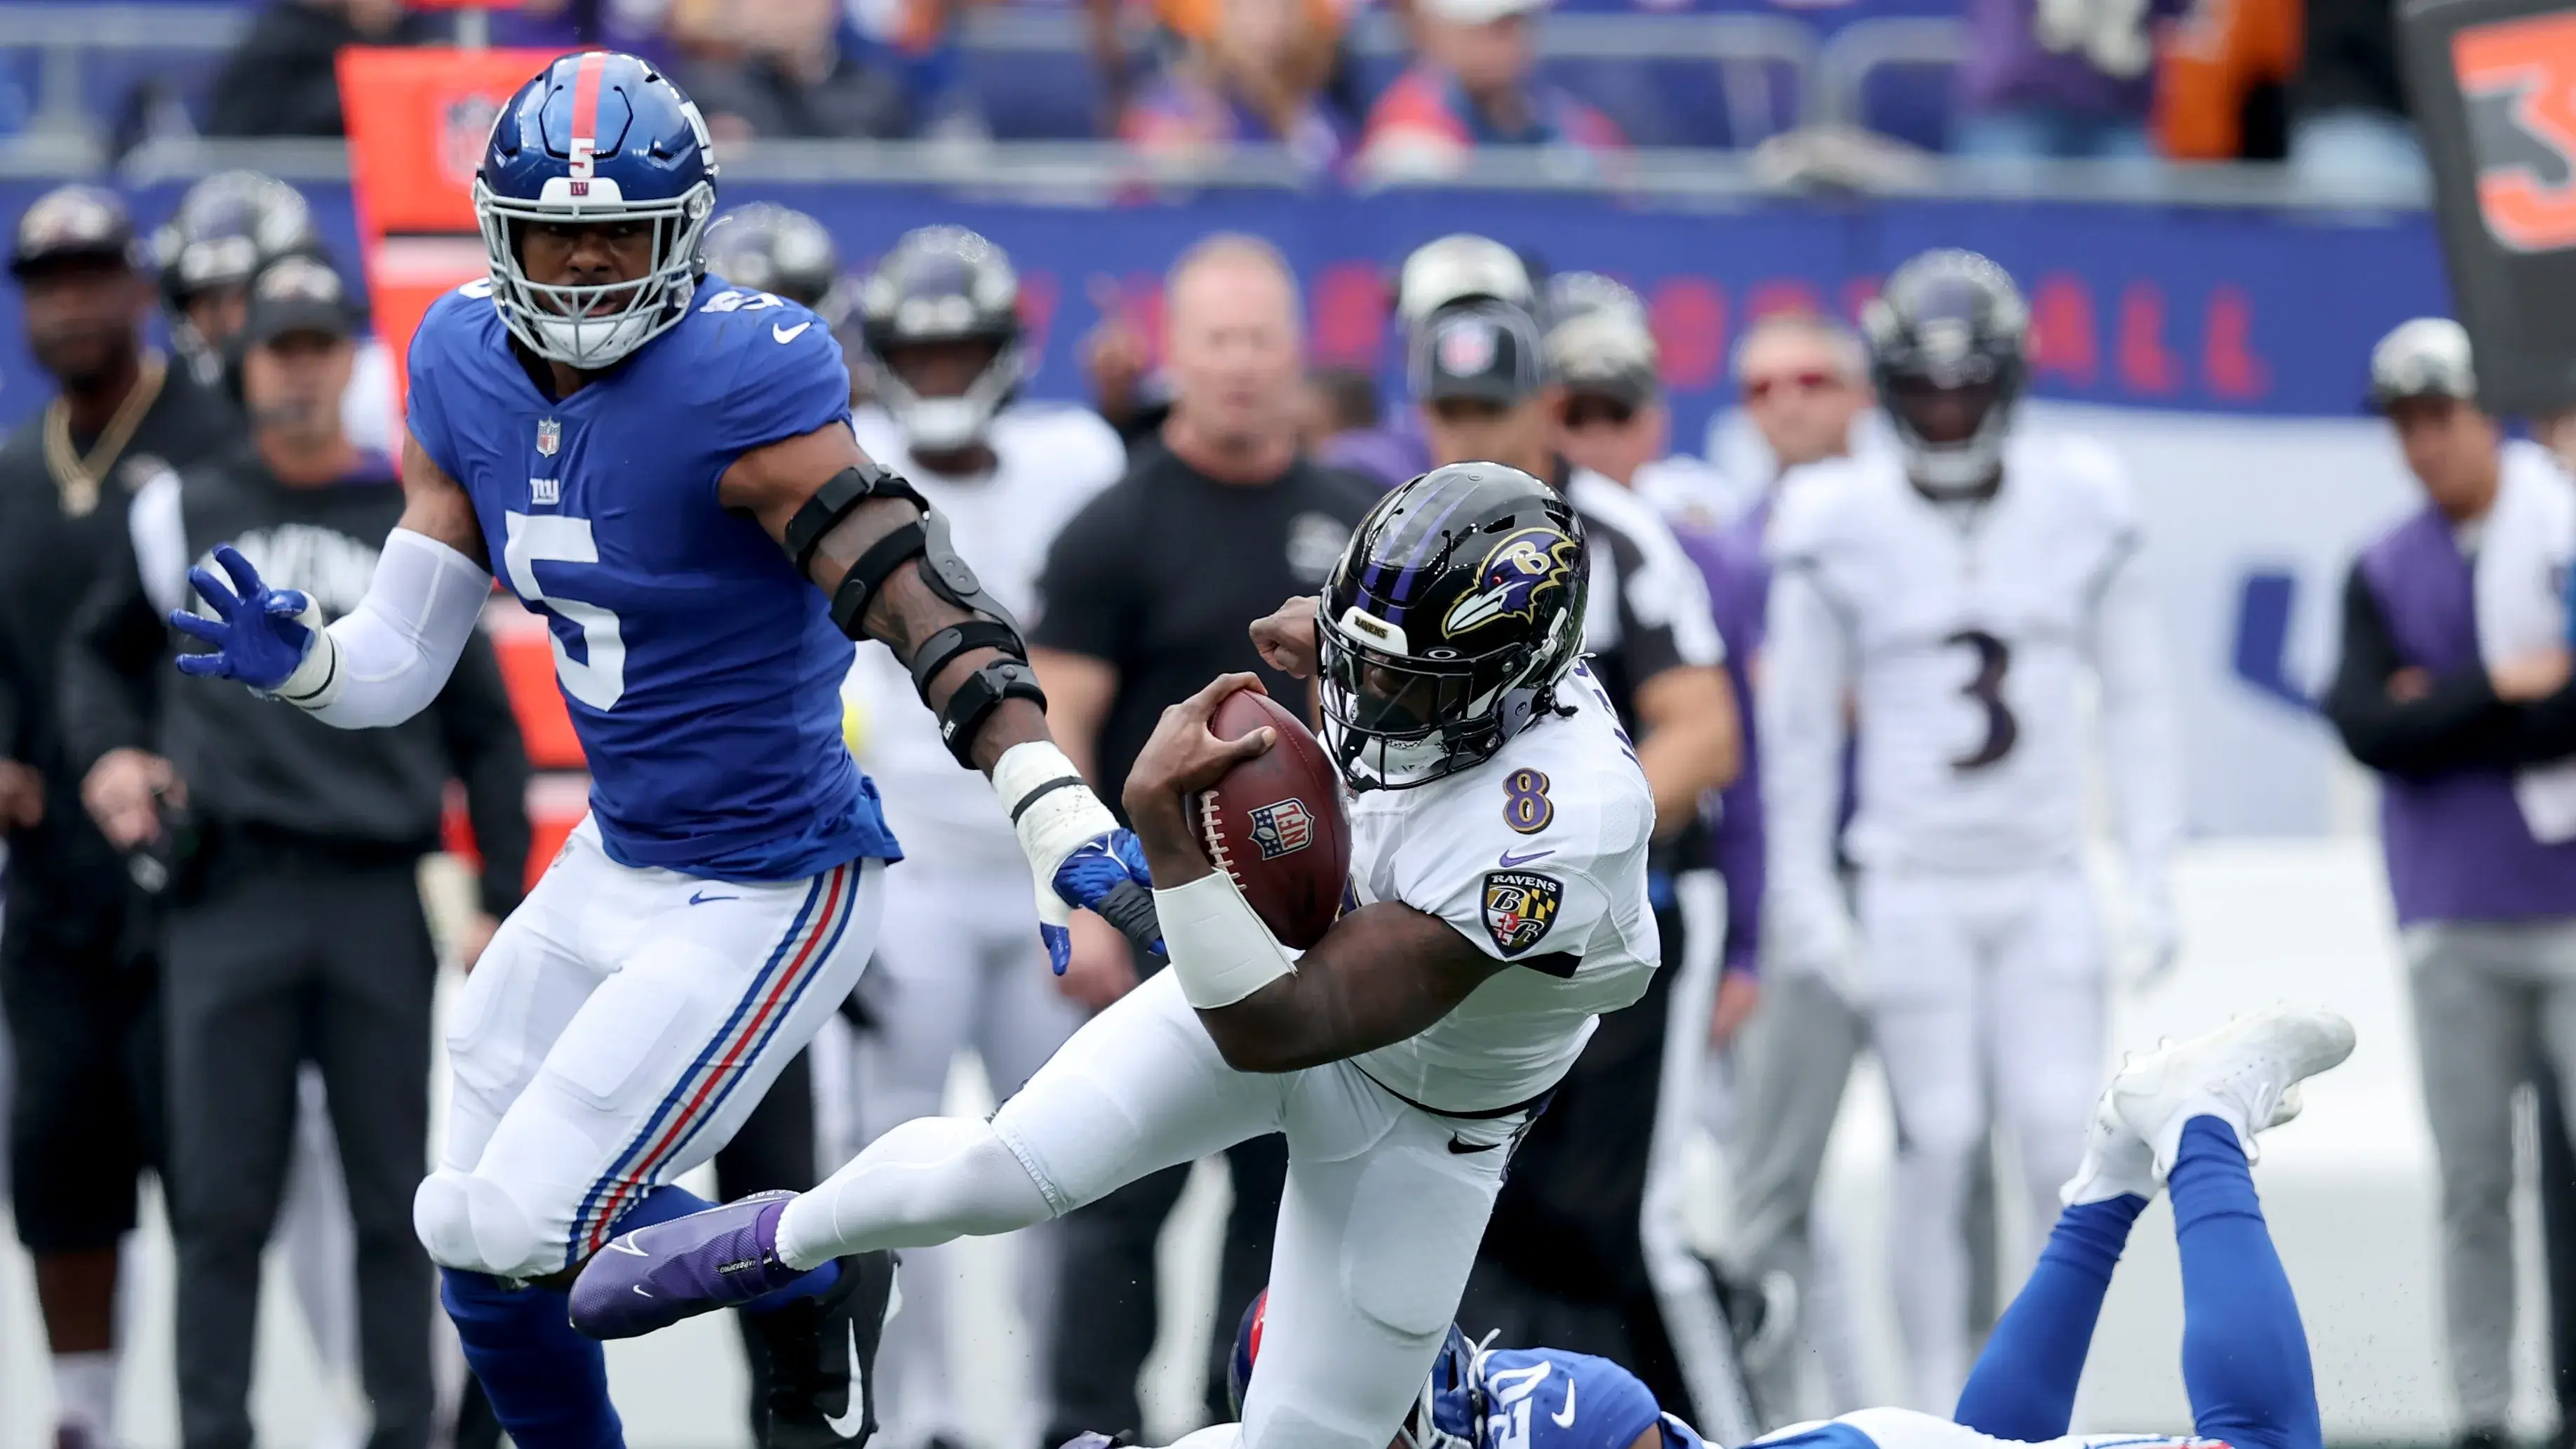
x=665 y=1203
x=2244 y=1351
x=2023 y=1386
x=547 y=1384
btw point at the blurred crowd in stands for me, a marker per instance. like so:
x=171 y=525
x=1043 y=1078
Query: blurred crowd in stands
x=1360 y=96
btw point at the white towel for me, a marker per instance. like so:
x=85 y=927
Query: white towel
x=2520 y=593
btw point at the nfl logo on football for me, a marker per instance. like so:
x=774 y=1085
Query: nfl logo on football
x=1282 y=829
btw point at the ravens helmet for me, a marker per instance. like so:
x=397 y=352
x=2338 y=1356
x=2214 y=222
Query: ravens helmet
x=227 y=227
x=942 y=286
x=1948 y=344
x=771 y=248
x=1448 y=1414
x=1445 y=628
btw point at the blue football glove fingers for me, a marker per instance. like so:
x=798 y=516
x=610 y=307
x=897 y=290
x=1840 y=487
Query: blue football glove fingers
x=1059 y=946
x=190 y=622
x=244 y=577
x=1108 y=875
x=212 y=590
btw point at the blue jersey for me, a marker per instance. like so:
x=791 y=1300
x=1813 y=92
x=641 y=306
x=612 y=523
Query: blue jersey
x=702 y=672
x=1544 y=1398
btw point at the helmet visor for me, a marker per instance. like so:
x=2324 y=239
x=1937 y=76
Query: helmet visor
x=1394 y=721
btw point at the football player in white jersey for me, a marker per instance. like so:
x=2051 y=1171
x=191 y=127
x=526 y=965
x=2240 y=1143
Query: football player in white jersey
x=1497 y=905
x=957 y=966
x=1960 y=591
x=2183 y=1118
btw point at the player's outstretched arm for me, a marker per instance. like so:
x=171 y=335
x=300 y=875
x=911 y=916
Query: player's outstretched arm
x=389 y=657
x=1381 y=974
x=882 y=554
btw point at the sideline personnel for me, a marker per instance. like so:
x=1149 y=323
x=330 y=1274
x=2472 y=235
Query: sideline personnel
x=295 y=929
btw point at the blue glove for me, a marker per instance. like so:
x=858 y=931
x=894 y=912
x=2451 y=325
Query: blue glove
x=1106 y=874
x=259 y=636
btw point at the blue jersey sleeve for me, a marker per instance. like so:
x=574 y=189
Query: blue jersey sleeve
x=1544 y=1399
x=429 y=373
x=788 y=376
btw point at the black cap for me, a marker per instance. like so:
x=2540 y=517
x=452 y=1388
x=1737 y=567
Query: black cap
x=1485 y=350
x=73 y=221
x=296 y=293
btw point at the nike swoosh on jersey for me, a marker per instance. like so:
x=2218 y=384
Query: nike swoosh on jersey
x=700 y=898
x=1509 y=860
x=1564 y=1419
x=788 y=334
x=1462 y=1149
x=854 y=1413
x=620 y=1245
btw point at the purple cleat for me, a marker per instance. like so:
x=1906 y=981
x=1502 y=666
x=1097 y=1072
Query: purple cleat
x=653 y=1277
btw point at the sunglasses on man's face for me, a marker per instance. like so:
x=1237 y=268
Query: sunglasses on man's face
x=1585 y=412
x=1758 y=388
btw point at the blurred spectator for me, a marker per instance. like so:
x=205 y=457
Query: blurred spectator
x=1142 y=601
x=779 y=68
x=633 y=26
x=295 y=929
x=2223 y=79
x=1339 y=400
x=1250 y=79
x=1458 y=267
x=1294 y=38
x=279 y=80
x=2453 y=682
x=1614 y=420
x=80 y=984
x=2348 y=117
x=2057 y=79
x=1804 y=381
x=1476 y=85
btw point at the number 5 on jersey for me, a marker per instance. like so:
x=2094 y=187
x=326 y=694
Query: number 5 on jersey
x=599 y=676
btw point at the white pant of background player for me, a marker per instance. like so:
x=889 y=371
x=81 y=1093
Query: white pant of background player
x=617 y=1031
x=1384 y=1208
x=959 y=967
x=1984 y=995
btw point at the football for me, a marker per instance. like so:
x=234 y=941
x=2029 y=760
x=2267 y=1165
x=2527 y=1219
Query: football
x=1276 y=824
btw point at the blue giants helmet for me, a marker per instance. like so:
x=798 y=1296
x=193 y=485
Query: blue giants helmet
x=1449 y=1414
x=596 y=138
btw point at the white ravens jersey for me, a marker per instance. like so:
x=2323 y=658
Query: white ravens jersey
x=1961 y=632
x=1051 y=460
x=1539 y=857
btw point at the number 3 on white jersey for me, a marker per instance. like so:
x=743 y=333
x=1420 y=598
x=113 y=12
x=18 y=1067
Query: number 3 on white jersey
x=548 y=537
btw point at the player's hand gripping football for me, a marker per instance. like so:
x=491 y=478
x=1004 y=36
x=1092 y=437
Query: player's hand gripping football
x=1185 y=757
x=260 y=634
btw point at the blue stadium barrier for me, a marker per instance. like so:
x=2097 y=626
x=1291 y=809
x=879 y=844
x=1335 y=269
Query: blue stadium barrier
x=2221 y=309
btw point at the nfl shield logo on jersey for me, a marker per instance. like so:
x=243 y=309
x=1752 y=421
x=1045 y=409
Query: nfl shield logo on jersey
x=549 y=437
x=1519 y=907
x=1282 y=829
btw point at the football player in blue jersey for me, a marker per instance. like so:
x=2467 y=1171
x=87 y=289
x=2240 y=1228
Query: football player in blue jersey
x=2183 y=1118
x=662 y=466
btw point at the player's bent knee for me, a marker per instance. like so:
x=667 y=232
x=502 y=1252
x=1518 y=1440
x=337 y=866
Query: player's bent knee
x=473 y=1223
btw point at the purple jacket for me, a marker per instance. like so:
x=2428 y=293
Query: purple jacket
x=1738 y=581
x=2456 y=844
x=2008 y=69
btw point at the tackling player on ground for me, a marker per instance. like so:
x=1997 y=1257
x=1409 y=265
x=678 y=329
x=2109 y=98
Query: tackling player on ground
x=1499 y=824
x=2183 y=1117
x=634 y=445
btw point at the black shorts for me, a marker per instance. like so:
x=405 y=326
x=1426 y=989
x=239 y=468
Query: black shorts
x=84 y=1121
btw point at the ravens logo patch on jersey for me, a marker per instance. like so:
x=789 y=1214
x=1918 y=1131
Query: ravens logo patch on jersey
x=1520 y=905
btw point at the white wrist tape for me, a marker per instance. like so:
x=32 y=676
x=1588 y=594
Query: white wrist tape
x=1054 y=812
x=1220 y=950
x=317 y=681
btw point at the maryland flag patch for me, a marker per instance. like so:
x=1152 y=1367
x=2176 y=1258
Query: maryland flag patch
x=1520 y=905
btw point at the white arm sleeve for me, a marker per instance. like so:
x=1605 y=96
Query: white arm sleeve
x=2140 y=753
x=389 y=658
x=1799 y=711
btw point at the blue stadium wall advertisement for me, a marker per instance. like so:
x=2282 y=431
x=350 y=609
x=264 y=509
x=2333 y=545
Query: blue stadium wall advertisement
x=2231 y=311
x=2221 y=353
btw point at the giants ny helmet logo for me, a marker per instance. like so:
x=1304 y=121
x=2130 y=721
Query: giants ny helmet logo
x=1515 y=575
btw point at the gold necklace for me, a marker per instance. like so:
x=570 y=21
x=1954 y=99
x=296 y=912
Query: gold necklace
x=77 y=474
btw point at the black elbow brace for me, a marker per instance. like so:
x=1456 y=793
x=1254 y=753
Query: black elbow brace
x=946 y=574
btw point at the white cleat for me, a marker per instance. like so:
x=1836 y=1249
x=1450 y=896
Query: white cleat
x=2116 y=1159
x=2246 y=1073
